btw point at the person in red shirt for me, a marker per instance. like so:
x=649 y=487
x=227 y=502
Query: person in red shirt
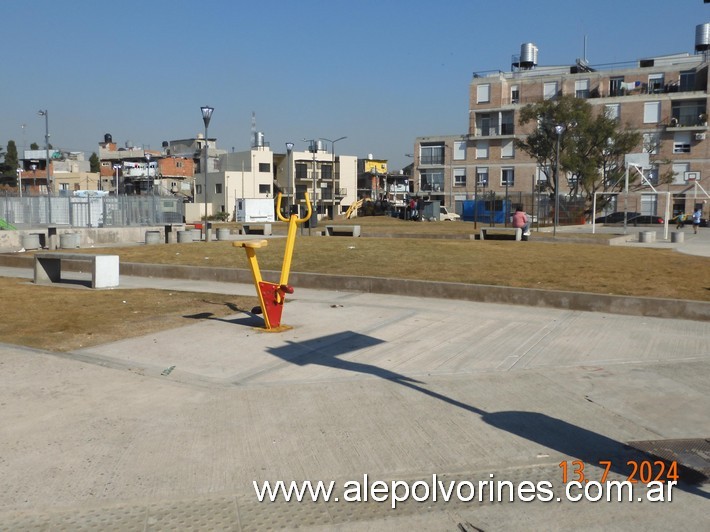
x=520 y=219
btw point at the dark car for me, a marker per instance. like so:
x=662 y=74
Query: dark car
x=616 y=217
x=645 y=219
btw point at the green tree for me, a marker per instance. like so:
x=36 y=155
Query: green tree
x=11 y=159
x=34 y=146
x=95 y=164
x=591 y=147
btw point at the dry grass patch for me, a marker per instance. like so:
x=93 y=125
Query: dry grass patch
x=63 y=318
x=556 y=266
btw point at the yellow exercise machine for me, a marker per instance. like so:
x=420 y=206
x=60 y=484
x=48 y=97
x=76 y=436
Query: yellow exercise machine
x=272 y=296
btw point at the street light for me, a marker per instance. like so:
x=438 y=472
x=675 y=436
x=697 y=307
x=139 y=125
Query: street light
x=19 y=180
x=147 y=171
x=116 y=167
x=45 y=114
x=291 y=181
x=332 y=142
x=313 y=220
x=34 y=175
x=559 y=129
x=206 y=116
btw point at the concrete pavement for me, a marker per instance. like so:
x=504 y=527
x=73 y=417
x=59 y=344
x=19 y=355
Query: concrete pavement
x=170 y=430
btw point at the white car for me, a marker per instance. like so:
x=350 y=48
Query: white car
x=445 y=215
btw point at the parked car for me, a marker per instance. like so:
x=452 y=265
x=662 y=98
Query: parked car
x=445 y=215
x=645 y=219
x=616 y=217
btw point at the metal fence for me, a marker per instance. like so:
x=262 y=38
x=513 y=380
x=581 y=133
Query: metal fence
x=572 y=211
x=91 y=211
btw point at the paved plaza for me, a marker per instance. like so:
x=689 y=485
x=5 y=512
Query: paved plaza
x=170 y=431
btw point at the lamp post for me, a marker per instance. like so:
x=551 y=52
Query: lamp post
x=313 y=220
x=559 y=129
x=19 y=180
x=332 y=199
x=206 y=116
x=116 y=167
x=34 y=175
x=45 y=114
x=291 y=180
x=147 y=171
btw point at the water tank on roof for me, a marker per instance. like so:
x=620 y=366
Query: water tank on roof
x=528 y=55
x=108 y=138
x=702 y=37
x=258 y=139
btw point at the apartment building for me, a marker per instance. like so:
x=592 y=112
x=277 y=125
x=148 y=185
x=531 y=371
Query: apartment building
x=665 y=98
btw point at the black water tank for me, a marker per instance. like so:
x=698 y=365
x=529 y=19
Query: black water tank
x=108 y=138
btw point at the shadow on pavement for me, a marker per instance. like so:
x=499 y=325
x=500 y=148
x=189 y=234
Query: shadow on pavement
x=584 y=445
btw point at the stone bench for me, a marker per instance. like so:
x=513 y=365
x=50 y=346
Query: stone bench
x=256 y=229
x=342 y=230
x=515 y=232
x=104 y=268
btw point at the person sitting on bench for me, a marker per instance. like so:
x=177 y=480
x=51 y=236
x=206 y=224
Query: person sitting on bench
x=520 y=220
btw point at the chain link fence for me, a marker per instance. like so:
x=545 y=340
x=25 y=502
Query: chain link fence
x=91 y=211
x=496 y=208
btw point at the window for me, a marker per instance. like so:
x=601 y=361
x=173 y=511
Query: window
x=652 y=175
x=681 y=142
x=549 y=91
x=507 y=125
x=432 y=180
x=484 y=123
x=688 y=113
x=515 y=94
x=482 y=176
x=264 y=167
x=615 y=86
x=507 y=177
x=432 y=154
x=482 y=149
x=651 y=112
x=687 y=81
x=651 y=142
x=198 y=189
x=655 y=83
x=459 y=177
x=326 y=171
x=105 y=163
x=613 y=111
x=679 y=170
x=459 y=150
x=483 y=93
x=301 y=171
x=264 y=189
x=507 y=149
x=218 y=188
x=581 y=88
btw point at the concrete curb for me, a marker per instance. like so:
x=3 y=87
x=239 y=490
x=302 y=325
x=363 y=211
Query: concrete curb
x=584 y=301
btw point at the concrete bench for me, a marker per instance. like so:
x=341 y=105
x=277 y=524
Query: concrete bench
x=515 y=232
x=104 y=268
x=256 y=229
x=342 y=230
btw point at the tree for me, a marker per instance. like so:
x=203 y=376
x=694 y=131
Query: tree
x=592 y=146
x=94 y=163
x=34 y=146
x=11 y=159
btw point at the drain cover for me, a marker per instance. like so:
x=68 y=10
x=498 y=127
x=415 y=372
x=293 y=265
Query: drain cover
x=692 y=455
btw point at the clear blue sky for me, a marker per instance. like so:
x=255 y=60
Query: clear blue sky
x=379 y=72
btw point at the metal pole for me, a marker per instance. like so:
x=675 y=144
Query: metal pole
x=557 y=186
x=206 y=116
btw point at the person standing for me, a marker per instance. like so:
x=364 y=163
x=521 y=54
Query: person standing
x=696 y=219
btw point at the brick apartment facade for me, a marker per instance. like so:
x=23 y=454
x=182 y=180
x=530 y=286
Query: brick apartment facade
x=664 y=98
